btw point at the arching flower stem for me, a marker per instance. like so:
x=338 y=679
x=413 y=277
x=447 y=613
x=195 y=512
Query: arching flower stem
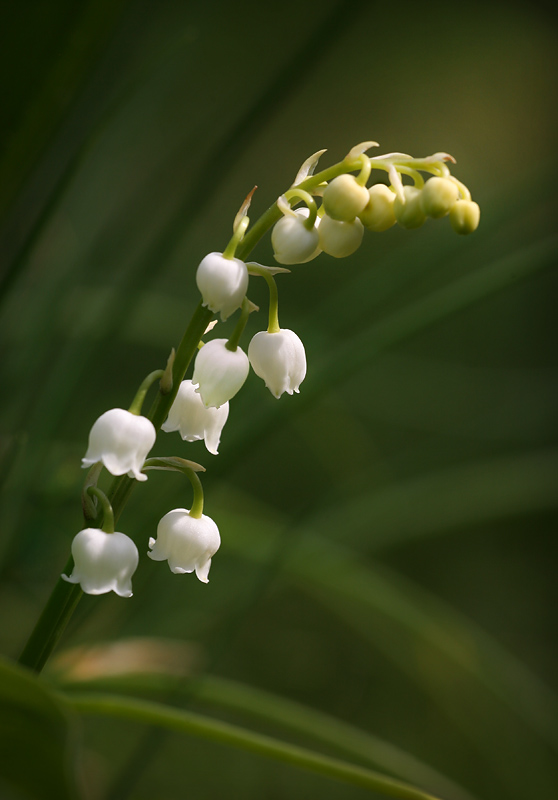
x=307 y=198
x=237 y=237
x=245 y=311
x=108 y=514
x=196 y=509
x=273 y=325
x=364 y=173
x=147 y=383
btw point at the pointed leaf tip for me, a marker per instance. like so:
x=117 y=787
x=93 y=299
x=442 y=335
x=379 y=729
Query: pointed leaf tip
x=307 y=167
x=359 y=149
x=257 y=269
x=243 y=209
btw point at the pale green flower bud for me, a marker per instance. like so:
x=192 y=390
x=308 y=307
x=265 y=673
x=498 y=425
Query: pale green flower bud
x=340 y=239
x=409 y=214
x=344 y=198
x=439 y=195
x=378 y=214
x=465 y=216
x=291 y=240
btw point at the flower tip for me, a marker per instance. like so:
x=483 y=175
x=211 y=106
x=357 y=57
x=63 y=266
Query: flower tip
x=139 y=476
x=202 y=571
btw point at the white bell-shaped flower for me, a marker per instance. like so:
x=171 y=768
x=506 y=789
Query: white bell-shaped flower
x=223 y=283
x=121 y=440
x=186 y=542
x=194 y=421
x=219 y=372
x=279 y=359
x=103 y=562
x=292 y=242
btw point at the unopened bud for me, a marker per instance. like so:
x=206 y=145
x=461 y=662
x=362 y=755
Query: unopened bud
x=378 y=214
x=409 y=214
x=340 y=239
x=439 y=195
x=465 y=216
x=344 y=198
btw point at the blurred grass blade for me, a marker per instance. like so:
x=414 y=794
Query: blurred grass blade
x=36 y=747
x=448 y=657
x=348 y=739
x=180 y=721
x=163 y=667
x=435 y=503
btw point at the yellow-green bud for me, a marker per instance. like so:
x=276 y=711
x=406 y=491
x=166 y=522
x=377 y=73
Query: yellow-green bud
x=409 y=214
x=378 y=213
x=439 y=195
x=465 y=216
x=340 y=239
x=344 y=198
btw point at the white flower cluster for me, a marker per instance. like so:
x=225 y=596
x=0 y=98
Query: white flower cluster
x=121 y=440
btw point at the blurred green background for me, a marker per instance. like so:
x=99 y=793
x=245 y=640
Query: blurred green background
x=388 y=535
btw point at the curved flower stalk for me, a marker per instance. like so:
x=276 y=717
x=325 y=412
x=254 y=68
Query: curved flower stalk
x=121 y=440
x=194 y=420
x=186 y=542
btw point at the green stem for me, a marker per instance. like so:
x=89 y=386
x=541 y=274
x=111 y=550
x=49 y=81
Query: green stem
x=65 y=596
x=364 y=173
x=307 y=198
x=50 y=625
x=273 y=324
x=237 y=237
x=186 y=351
x=245 y=311
x=198 y=725
x=108 y=515
x=137 y=402
x=196 y=509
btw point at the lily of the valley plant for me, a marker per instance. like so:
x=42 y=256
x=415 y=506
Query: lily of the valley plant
x=327 y=212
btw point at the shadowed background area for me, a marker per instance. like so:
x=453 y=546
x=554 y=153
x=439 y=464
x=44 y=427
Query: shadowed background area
x=388 y=550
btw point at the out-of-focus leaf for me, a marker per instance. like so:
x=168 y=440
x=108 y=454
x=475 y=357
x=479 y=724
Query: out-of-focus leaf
x=186 y=722
x=36 y=745
x=161 y=667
